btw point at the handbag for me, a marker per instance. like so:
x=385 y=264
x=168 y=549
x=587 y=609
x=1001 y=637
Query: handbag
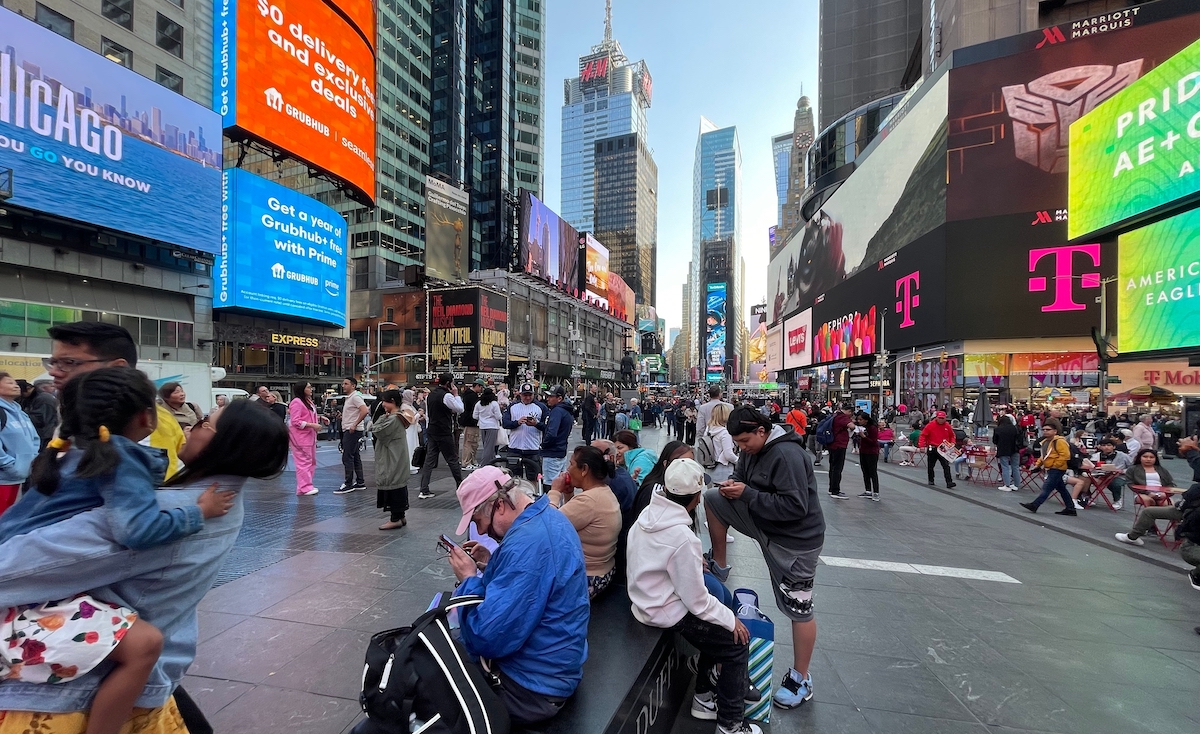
x=418 y=456
x=762 y=651
x=635 y=424
x=502 y=437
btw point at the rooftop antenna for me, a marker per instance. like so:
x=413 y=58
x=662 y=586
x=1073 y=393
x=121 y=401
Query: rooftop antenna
x=607 y=22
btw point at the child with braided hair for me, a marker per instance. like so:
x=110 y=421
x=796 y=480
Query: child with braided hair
x=96 y=462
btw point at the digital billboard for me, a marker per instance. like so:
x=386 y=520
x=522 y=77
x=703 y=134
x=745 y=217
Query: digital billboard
x=1136 y=154
x=468 y=330
x=361 y=14
x=1010 y=117
x=621 y=299
x=756 y=347
x=298 y=75
x=797 y=340
x=92 y=141
x=447 y=230
x=596 y=259
x=775 y=349
x=282 y=253
x=897 y=194
x=1158 y=285
x=647 y=319
x=714 y=332
x=549 y=246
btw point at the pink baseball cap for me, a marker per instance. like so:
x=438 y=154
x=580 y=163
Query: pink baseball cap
x=477 y=487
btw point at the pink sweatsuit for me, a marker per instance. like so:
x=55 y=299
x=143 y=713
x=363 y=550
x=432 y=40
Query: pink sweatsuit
x=303 y=439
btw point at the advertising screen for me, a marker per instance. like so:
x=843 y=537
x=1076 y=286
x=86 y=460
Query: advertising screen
x=647 y=319
x=797 y=340
x=775 y=349
x=95 y=142
x=621 y=299
x=468 y=330
x=1158 y=288
x=596 y=280
x=1136 y=154
x=549 y=246
x=714 y=331
x=297 y=75
x=756 y=347
x=281 y=252
x=897 y=194
x=447 y=230
x=1010 y=117
x=361 y=13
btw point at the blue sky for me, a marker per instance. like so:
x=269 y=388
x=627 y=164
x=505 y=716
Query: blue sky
x=737 y=64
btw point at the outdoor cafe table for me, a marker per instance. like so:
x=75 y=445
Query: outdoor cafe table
x=1101 y=479
x=1144 y=489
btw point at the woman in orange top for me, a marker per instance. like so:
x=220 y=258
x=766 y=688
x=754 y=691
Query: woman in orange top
x=798 y=419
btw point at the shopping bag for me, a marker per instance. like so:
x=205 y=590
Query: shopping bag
x=635 y=424
x=502 y=437
x=762 y=651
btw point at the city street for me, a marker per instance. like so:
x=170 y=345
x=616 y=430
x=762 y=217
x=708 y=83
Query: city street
x=937 y=612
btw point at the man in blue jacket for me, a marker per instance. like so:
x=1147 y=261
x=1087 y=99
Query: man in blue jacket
x=531 y=628
x=554 y=439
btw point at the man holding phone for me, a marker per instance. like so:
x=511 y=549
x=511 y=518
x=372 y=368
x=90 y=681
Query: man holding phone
x=524 y=421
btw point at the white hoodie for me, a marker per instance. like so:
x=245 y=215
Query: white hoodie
x=665 y=569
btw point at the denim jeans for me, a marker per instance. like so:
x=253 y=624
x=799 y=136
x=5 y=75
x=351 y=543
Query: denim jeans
x=1010 y=469
x=1054 y=481
x=716 y=645
x=720 y=590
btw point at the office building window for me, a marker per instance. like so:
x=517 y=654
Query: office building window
x=170 y=36
x=116 y=52
x=171 y=81
x=118 y=11
x=57 y=22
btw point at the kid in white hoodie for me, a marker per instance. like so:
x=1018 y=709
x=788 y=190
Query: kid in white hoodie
x=666 y=587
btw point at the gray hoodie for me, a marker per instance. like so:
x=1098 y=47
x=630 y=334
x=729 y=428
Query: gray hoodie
x=781 y=491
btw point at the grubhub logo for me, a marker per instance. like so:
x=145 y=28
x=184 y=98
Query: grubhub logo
x=274 y=99
x=278 y=271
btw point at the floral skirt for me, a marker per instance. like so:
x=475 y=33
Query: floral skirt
x=59 y=640
x=164 y=720
x=597 y=584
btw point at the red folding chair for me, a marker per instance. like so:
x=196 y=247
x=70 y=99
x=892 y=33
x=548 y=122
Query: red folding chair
x=1146 y=497
x=1100 y=485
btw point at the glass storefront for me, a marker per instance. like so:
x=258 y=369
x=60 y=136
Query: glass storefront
x=21 y=318
x=252 y=357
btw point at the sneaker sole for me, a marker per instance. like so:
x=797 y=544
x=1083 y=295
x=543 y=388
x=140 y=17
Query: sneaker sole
x=1193 y=583
x=704 y=714
x=794 y=705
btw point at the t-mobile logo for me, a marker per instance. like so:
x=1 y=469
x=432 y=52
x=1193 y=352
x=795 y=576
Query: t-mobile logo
x=906 y=291
x=1064 y=274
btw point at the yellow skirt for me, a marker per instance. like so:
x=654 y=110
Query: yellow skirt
x=165 y=720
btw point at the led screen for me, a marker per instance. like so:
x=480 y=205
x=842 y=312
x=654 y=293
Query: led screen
x=714 y=332
x=1158 y=288
x=596 y=282
x=797 y=340
x=775 y=349
x=756 y=348
x=549 y=246
x=92 y=141
x=282 y=253
x=447 y=230
x=296 y=74
x=621 y=299
x=1137 y=153
x=361 y=13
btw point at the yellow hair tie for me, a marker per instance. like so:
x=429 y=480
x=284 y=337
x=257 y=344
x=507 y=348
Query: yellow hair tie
x=103 y=434
x=59 y=444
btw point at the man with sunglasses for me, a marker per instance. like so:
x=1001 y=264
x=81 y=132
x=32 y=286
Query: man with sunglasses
x=531 y=629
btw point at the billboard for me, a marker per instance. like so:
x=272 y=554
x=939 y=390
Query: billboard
x=1010 y=117
x=596 y=279
x=361 y=14
x=549 y=246
x=1136 y=155
x=797 y=340
x=621 y=299
x=468 y=330
x=714 y=332
x=1158 y=288
x=756 y=346
x=95 y=142
x=282 y=253
x=447 y=230
x=897 y=193
x=298 y=75
x=647 y=319
x=774 y=356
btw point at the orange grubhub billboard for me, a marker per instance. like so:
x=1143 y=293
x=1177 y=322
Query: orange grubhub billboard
x=300 y=76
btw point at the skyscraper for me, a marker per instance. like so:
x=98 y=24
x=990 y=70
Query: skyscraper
x=801 y=139
x=626 y=211
x=608 y=98
x=716 y=240
x=781 y=155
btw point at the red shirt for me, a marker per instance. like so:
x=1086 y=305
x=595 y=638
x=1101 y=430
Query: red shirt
x=934 y=434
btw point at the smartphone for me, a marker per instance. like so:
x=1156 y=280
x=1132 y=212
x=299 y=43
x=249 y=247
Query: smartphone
x=447 y=542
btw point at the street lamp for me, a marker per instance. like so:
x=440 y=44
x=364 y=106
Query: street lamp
x=378 y=347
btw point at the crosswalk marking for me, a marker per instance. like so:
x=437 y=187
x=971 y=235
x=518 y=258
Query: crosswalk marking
x=946 y=571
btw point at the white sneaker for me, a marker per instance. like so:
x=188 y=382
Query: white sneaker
x=1079 y=505
x=744 y=727
x=1005 y=488
x=1118 y=505
x=728 y=538
x=309 y=493
x=1124 y=538
x=704 y=706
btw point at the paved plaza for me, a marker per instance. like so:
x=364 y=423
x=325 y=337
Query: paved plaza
x=938 y=612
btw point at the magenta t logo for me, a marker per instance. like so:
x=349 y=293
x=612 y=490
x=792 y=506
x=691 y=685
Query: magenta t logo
x=906 y=291
x=1064 y=275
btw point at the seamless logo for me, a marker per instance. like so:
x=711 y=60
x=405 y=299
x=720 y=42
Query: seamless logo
x=1064 y=275
x=906 y=291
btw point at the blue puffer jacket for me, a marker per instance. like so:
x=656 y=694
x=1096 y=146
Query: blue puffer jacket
x=18 y=444
x=558 y=431
x=533 y=623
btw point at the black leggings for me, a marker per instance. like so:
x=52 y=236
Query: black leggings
x=870 y=469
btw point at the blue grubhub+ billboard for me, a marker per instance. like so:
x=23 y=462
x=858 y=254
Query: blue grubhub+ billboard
x=282 y=252
x=91 y=141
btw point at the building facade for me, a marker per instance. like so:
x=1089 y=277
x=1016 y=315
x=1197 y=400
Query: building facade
x=781 y=156
x=801 y=140
x=626 y=211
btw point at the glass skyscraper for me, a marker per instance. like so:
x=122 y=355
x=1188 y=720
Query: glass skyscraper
x=781 y=154
x=716 y=222
x=626 y=212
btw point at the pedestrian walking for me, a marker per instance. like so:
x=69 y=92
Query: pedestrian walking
x=933 y=435
x=354 y=412
x=19 y=442
x=487 y=413
x=843 y=423
x=413 y=433
x=392 y=458
x=303 y=425
x=443 y=405
x=868 y=454
x=1056 y=452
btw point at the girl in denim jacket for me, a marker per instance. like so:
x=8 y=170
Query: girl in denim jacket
x=94 y=462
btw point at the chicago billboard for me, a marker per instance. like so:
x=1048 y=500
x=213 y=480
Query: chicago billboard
x=797 y=340
x=468 y=330
x=549 y=247
x=1158 y=286
x=282 y=253
x=92 y=141
x=1136 y=155
x=447 y=230
x=596 y=279
x=714 y=332
x=298 y=75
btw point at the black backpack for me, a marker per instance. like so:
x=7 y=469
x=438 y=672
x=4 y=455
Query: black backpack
x=421 y=677
x=1075 y=462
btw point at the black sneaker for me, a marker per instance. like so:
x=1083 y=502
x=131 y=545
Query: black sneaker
x=360 y=485
x=865 y=495
x=346 y=488
x=425 y=494
x=1070 y=511
x=951 y=485
x=931 y=484
x=1029 y=506
x=839 y=496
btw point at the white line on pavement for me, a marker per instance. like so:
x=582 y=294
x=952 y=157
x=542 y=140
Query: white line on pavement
x=948 y=571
